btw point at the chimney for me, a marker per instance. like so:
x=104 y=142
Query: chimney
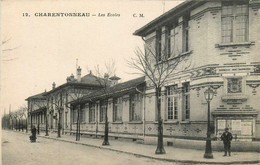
x=114 y=80
x=53 y=85
x=71 y=77
x=106 y=76
x=68 y=79
x=79 y=74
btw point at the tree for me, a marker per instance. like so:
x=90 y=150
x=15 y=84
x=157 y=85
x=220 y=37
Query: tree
x=23 y=114
x=15 y=116
x=157 y=67
x=5 y=49
x=106 y=82
x=75 y=93
x=57 y=101
x=5 y=121
x=11 y=116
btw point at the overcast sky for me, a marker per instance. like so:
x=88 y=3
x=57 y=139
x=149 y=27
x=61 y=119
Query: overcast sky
x=46 y=48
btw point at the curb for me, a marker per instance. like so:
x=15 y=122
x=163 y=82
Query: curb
x=150 y=157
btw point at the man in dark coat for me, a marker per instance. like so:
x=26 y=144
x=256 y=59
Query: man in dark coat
x=33 y=136
x=227 y=137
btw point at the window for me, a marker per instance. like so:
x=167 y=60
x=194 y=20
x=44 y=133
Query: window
x=52 y=103
x=66 y=99
x=175 y=108
x=135 y=107
x=159 y=44
x=56 y=118
x=234 y=85
x=66 y=120
x=185 y=33
x=168 y=41
x=186 y=101
x=82 y=115
x=234 y=21
x=42 y=118
x=172 y=102
x=103 y=111
x=92 y=113
x=171 y=40
x=75 y=115
x=117 y=109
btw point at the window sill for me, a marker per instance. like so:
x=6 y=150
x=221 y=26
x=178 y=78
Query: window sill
x=234 y=44
x=117 y=122
x=93 y=122
x=80 y=122
x=171 y=122
x=175 y=57
x=228 y=97
x=185 y=122
x=180 y=55
x=135 y=122
x=102 y=122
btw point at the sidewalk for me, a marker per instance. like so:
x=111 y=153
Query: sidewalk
x=172 y=154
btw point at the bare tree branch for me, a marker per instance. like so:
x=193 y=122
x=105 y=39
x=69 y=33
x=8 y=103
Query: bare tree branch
x=157 y=67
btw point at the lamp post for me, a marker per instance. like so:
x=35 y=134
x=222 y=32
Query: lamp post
x=208 y=151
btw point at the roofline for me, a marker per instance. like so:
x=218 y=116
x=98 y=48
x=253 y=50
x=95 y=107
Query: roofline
x=178 y=10
x=103 y=95
x=35 y=98
x=71 y=84
x=86 y=99
x=31 y=97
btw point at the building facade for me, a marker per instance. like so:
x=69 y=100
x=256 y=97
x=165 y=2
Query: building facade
x=221 y=42
x=50 y=108
x=57 y=100
x=37 y=109
x=125 y=108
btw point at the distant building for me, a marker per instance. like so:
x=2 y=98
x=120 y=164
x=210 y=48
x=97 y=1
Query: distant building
x=125 y=110
x=59 y=97
x=48 y=103
x=37 y=111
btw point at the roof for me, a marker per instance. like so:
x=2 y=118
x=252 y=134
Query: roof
x=169 y=15
x=88 y=80
x=118 y=88
x=39 y=110
x=115 y=78
x=40 y=96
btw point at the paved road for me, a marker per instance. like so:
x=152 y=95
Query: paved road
x=17 y=150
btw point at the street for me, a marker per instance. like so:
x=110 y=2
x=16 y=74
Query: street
x=18 y=150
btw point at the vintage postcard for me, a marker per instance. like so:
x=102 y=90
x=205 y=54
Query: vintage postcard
x=130 y=82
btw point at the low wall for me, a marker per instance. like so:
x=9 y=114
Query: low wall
x=237 y=146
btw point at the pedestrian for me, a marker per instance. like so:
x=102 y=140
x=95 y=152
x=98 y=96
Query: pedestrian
x=226 y=137
x=33 y=136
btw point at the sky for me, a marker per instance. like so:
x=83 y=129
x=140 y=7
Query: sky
x=43 y=50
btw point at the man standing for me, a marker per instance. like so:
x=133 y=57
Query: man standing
x=227 y=137
x=33 y=136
